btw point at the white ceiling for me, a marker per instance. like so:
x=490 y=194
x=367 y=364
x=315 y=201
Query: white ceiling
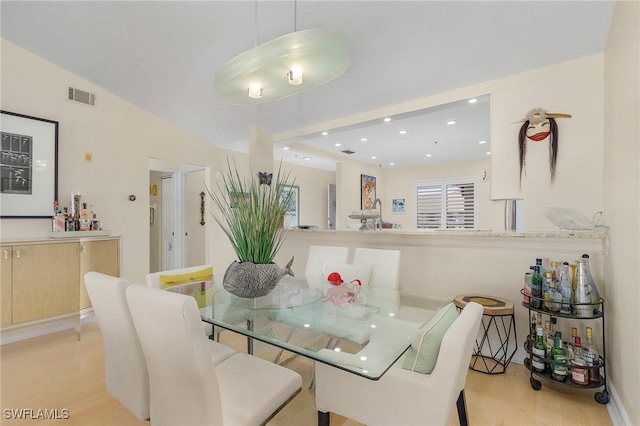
x=162 y=55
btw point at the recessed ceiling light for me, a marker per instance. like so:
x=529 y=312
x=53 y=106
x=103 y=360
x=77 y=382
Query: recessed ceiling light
x=363 y=139
x=325 y=133
x=482 y=141
x=286 y=148
x=473 y=100
x=373 y=157
x=488 y=152
x=392 y=164
x=306 y=158
x=388 y=119
x=403 y=132
x=450 y=122
x=428 y=155
x=337 y=144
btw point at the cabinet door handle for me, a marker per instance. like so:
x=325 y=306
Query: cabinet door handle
x=18 y=254
x=83 y=248
x=5 y=253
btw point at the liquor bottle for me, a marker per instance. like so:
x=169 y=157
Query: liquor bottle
x=542 y=268
x=538 y=350
x=583 y=305
x=565 y=288
x=559 y=368
x=591 y=354
x=554 y=270
x=569 y=344
x=85 y=221
x=536 y=288
x=595 y=296
x=579 y=370
x=534 y=326
x=555 y=298
x=527 y=286
x=548 y=338
x=546 y=287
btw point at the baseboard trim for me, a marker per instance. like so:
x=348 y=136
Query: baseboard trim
x=29 y=331
x=616 y=411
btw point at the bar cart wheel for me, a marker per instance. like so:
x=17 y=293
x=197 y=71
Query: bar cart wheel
x=602 y=397
x=537 y=385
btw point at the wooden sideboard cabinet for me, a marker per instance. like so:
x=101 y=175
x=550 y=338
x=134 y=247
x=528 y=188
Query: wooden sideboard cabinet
x=42 y=280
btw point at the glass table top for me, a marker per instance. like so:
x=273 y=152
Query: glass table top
x=363 y=330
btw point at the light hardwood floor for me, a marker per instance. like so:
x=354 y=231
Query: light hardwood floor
x=58 y=372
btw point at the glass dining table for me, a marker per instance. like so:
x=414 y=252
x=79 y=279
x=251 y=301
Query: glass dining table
x=362 y=330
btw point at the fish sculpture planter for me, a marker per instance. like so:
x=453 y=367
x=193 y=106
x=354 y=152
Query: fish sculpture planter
x=250 y=280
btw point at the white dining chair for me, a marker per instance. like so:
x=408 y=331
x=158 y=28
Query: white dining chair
x=186 y=387
x=155 y=279
x=402 y=396
x=125 y=372
x=385 y=274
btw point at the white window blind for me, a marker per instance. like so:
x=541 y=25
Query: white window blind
x=446 y=204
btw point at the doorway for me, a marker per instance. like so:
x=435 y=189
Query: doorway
x=177 y=233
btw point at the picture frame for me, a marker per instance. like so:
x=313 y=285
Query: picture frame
x=367 y=191
x=399 y=205
x=292 y=215
x=236 y=199
x=28 y=166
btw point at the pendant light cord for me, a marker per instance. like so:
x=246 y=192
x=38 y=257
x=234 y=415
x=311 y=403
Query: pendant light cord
x=255 y=22
x=295 y=16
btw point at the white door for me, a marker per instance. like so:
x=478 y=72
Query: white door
x=332 y=207
x=168 y=222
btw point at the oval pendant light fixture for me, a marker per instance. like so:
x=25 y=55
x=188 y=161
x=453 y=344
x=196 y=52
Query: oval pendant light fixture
x=283 y=67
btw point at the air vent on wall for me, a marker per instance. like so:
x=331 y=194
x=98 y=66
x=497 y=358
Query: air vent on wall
x=348 y=151
x=81 y=96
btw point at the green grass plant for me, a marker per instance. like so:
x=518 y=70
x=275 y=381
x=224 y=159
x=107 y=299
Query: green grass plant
x=252 y=213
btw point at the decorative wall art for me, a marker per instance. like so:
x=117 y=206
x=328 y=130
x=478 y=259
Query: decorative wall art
x=398 y=205
x=538 y=126
x=368 y=191
x=28 y=166
x=292 y=216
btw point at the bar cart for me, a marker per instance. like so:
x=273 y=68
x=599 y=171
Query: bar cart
x=599 y=365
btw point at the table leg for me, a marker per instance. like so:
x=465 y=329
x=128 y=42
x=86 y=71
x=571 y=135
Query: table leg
x=249 y=339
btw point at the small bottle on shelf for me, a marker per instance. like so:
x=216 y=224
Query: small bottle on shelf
x=579 y=370
x=595 y=296
x=536 y=288
x=85 y=221
x=555 y=298
x=583 y=292
x=565 y=289
x=538 y=350
x=549 y=338
x=591 y=354
x=559 y=367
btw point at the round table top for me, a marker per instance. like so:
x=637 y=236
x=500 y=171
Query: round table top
x=492 y=305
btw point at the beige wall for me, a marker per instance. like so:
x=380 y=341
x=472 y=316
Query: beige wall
x=196 y=237
x=399 y=184
x=622 y=203
x=574 y=87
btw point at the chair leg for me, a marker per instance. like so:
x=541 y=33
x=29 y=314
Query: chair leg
x=462 y=409
x=324 y=419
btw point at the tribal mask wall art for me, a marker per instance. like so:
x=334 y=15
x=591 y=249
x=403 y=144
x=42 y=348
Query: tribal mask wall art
x=538 y=126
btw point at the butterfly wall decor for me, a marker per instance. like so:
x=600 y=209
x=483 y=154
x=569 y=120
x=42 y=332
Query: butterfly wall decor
x=265 y=178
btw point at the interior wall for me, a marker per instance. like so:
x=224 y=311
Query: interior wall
x=195 y=252
x=399 y=184
x=622 y=203
x=573 y=87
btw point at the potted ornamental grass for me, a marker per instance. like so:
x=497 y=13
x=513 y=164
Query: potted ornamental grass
x=251 y=215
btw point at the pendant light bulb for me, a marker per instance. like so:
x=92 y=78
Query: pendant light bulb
x=295 y=76
x=255 y=91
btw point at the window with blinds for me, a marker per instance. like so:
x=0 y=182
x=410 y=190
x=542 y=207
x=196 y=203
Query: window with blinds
x=446 y=204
